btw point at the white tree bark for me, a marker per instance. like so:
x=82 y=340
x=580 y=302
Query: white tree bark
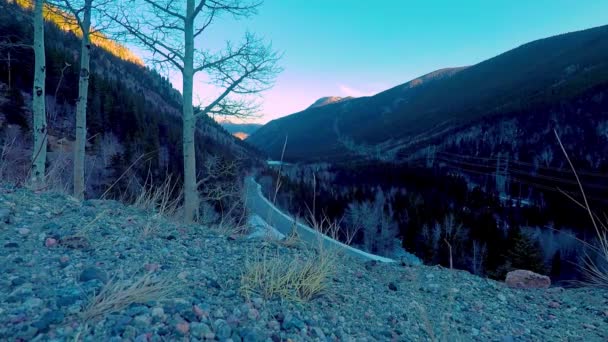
x=169 y=29
x=38 y=95
x=191 y=198
x=81 y=104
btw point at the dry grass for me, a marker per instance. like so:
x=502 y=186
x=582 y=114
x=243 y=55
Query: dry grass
x=293 y=278
x=300 y=277
x=119 y=294
x=595 y=267
x=160 y=199
x=233 y=220
x=332 y=228
x=222 y=188
x=290 y=241
x=327 y=226
x=15 y=156
x=150 y=229
x=59 y=174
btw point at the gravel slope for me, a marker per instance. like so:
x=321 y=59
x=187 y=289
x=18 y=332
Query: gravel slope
x=57 y=253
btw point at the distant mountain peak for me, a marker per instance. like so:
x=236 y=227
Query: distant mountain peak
x=324 y=101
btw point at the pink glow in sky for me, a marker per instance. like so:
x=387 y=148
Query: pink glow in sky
x=359 y=48
x=293 y=92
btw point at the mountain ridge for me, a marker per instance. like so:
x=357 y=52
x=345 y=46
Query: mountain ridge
x=324 y=101
x=537 y=73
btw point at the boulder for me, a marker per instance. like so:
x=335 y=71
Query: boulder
x=524 y=279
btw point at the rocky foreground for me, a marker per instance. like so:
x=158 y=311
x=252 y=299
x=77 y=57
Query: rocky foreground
x=58 y=255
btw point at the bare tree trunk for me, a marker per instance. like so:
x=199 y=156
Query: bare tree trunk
x=81 y=104
x=39 y=107
x=9 y=71
x=450 y=251
x=191 y=200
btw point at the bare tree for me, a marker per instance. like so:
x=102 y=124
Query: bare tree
x=78 y=12
x=479 y=254
x=38 y=94
x=173 y=31
x=378 y=226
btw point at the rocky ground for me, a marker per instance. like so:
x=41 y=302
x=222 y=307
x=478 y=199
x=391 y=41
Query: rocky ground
x=56 y=254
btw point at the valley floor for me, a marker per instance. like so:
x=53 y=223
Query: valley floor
x=57 y=254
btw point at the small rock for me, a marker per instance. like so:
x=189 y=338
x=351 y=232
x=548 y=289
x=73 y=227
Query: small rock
x=233 y=320
x=222 y=329
x=158 y=312
x=33 y=302
x=554 y=304
x=136 y=310
x=200 y=313
x=67 y=300
x=17 y=282
x=143 y=338
x=199 y=329
x=257 y=302
x=501 y=297
x=152 y=267
x=183 y=328
x=50 y=242
x=219 y=313
x=253 y=314
x=52 y=317
x=23 y=231
x=291 y=322
x=251 y=335
x=274 y=325
x=319 y=333
x=27 y=333
x=64 y=260
x=5 y=215
x=213 y=283
x=392 y=286
x=92 y=273
x=524 y=279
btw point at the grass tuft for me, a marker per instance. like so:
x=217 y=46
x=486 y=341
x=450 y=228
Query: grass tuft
x=161 y=198
x=292 y=278
x=119 y=294
x=595 y=267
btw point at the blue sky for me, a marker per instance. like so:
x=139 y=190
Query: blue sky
x=358 y=48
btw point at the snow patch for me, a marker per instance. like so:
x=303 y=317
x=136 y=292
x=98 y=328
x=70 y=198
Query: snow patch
x=262 y=230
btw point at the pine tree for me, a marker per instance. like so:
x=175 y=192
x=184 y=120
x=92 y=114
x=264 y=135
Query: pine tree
x=525 y=253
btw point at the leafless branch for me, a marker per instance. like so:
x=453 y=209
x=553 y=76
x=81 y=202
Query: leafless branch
x=168 y=8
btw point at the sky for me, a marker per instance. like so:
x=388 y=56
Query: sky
x=359 y=48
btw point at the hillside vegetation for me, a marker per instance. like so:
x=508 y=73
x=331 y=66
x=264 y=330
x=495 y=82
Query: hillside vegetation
x=134 y=114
